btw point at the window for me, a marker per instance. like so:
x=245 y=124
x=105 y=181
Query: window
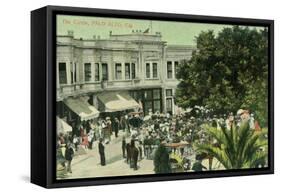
x=97 y=72
x=133 y=94
x=157 y=106
x=156 y=94
x=127 y=71
x=148 y=95
x=133 y=71
x=154 y=70
x=62 y=73
x=147 y=70
x=169 y=70
x=169 y=105
x=87 y=72
x=75 y=70
x=71 y=73
x=148 y=107
x=169 y=92
x=176 y=68
x=118 y=71
x=137 y=95
x=151 y=99
x=104 y=71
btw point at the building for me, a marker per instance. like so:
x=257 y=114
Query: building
x=136 y=68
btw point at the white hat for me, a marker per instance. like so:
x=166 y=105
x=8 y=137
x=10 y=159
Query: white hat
x=240 y=111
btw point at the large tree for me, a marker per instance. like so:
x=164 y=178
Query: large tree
x=226 y=72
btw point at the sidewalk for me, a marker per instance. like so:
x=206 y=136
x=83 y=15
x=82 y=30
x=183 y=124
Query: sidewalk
x=88 y=165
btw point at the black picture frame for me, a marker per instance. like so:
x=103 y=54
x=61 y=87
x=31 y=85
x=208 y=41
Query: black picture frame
x=43 y=95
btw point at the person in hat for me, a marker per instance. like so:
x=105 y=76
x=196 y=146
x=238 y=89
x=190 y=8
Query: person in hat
x=75 y=141
x=245 y=116
x=101 y=152
x=69 y=153
x=157 y=124
x=115 y=126
x=61 y=138
x=106 y=130
x=109 y=124
x=252 y=121
x=85 y=141
x=135 y=154
x=124 y=147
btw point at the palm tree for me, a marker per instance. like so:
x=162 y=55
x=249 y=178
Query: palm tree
x=236 y=148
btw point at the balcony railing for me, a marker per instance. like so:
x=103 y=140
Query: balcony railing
x=74 y=89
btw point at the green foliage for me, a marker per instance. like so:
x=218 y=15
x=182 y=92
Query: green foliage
x=161 y=160
x=228 y=71
x=238 y=147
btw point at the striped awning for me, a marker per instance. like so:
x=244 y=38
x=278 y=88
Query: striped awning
x=62 y=126
x=117 y=101
x=82 y=108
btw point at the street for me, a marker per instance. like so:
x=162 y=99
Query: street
x=88 y=165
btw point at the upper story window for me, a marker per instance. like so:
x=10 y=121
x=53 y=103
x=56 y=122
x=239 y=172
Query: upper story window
x=97 y=72
x=127 y=71
x=87 y=72
x=169 y=70
x=176 y=66
x=133 y=70
x=147 y=69
x=71 y=73
x=118 y=71
x=154 y=70
x=104 y=69
x=73 y=67
x=62 y=73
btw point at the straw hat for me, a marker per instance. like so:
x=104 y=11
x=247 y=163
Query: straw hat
x=240 y=111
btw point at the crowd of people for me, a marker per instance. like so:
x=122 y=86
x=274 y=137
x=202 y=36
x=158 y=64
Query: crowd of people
x=141 y=136
x=82 y=138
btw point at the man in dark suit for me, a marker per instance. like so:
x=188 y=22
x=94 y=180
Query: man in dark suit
x=69 y=152
x=135 y=154
x=128 y=150
x=116 y=125
x=101 y=152
x=124 y=147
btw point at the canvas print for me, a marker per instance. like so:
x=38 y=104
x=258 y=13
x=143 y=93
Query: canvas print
x=144 y=97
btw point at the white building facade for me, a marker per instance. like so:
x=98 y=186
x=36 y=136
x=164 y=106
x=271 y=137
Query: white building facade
x=140 y=64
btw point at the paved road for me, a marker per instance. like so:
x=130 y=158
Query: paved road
x=88 y=165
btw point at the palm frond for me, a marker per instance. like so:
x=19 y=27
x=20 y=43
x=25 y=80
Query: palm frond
x=239 y=147
x=215 y=152
x=244 y=134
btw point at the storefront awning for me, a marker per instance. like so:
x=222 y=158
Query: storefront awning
x=82 y=108
x=117 y=101
x=62 y=126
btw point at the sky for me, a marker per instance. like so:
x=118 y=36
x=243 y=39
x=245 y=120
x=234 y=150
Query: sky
x=180 y=33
